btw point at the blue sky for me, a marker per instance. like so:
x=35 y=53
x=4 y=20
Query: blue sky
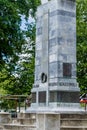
x=23 y=25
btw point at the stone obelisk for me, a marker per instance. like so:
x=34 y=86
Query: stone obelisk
x=55 y=61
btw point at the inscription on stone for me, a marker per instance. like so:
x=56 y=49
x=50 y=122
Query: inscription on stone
x=62 y=84
x=59 y=96
x=53 y=84
x=66 y=84
x=36 y=85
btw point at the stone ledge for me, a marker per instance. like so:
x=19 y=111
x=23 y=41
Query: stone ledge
x=18 y=125
x=68 y=119
x=73 y=127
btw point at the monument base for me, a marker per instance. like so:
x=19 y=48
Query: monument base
x=62 y=121
x=55 y=96
x=60 y=118
x=56 y=107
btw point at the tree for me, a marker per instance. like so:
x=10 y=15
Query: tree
x=6 y=80
x=11 y=35
x=26 y=63
x=82 y=43
x=12 y=39
x=24 y=73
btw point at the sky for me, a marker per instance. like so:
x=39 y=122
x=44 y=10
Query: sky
x=23 y=25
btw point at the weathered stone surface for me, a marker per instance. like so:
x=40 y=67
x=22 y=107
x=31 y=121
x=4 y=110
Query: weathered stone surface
x=53 y=70
x=48 y=122
x=65 y=120
x=56 y=48
x=4 y=117
x=52 y=58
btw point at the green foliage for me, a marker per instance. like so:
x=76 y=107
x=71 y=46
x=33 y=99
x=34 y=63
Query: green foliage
x=11 y=36
x=26 y=79
x=6 y=80
x=12 y=39
x=82 y=43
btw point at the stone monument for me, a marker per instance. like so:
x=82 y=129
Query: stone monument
x=55 y=61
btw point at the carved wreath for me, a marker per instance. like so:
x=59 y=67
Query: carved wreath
x=43 y=78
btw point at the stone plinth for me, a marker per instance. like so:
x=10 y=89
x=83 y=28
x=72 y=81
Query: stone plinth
x=4 y=117
x=48 y=122
x=24 y=121
x=62 y=121
x=19 y=127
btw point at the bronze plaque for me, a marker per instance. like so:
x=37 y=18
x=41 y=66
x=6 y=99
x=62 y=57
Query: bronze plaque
x=62 y=96
x=34 y=97
x=42 y=97
x=67 y=69
x=53 y=96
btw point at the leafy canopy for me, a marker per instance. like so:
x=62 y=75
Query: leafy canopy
x=11 y=35
x=82 y=43
x=12 y=38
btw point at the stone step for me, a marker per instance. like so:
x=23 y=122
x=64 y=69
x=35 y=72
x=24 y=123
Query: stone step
x=73 y=128
x=73 y=122
x=27 y=115
x=25 y=121
x=1 y=128
x=19 y=127
x=5 y=117
x=73 y=116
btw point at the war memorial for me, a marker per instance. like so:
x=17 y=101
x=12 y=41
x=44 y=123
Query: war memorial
x=55 y=93
x=55 y=62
